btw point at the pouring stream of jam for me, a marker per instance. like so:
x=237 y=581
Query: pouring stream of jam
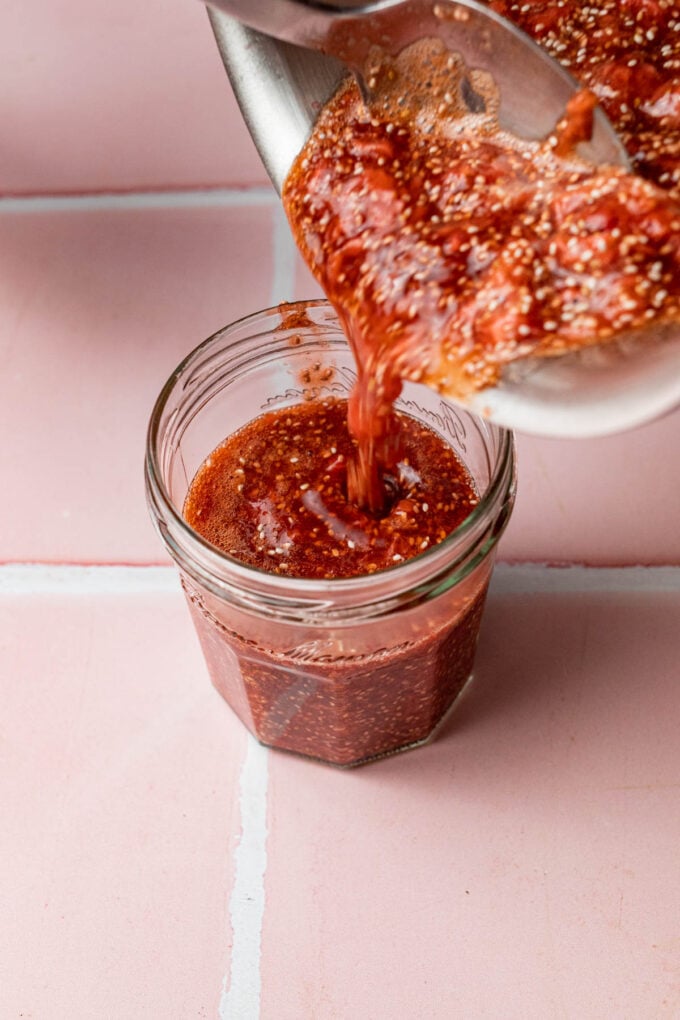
x=274 y=495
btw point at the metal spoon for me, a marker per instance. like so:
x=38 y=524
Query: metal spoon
x=285 y=58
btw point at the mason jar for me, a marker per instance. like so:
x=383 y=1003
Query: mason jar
x=346 y=670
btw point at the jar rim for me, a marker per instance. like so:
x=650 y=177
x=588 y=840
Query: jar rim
x=218 y=570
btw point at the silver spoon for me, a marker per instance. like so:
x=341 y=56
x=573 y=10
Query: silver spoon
x=285 y=58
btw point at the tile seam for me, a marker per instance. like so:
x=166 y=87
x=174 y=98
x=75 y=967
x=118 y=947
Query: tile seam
x=196 y=198
x=283 y=247
x=74 y=579
x=242 y=984
x=45 y=578
x=537 y=578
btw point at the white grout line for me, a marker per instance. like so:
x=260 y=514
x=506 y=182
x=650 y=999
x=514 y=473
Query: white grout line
x=522 y=578
x=539 y=578
x=241 y=988
x=242 y=984
x=207 y=198
x=283 y=279
x=59 y=579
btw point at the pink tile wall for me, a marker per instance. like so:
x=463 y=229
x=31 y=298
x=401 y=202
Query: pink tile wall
x=602 y=502
x=98 y=305
x=534 y=841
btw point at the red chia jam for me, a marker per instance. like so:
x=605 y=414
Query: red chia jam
x=450 y=248
x=628 y=53
x=274 y=496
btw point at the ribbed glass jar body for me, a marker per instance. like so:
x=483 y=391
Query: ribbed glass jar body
x=339 y=670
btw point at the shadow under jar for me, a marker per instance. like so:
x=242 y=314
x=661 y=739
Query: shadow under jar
x=343 y=670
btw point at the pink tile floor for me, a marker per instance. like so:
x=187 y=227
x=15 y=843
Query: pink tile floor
x=155 y=861
x=520 y=866
x=117 y=837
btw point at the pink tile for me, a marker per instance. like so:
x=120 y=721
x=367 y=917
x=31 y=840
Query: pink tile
x=605 y=501
x=118 y=780
x=524 y=865
x=97 y=309
x=98 y=96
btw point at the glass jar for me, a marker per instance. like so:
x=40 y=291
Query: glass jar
x=344 y=670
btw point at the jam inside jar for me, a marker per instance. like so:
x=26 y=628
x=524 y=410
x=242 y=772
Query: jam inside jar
x=347 y=669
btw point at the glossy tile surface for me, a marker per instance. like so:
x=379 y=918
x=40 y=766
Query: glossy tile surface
x=119 y=784
x=158 y=862
x=605 y=502
x=525 y=864
x=111 y=97
x=97 y=308
x=98 y=305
